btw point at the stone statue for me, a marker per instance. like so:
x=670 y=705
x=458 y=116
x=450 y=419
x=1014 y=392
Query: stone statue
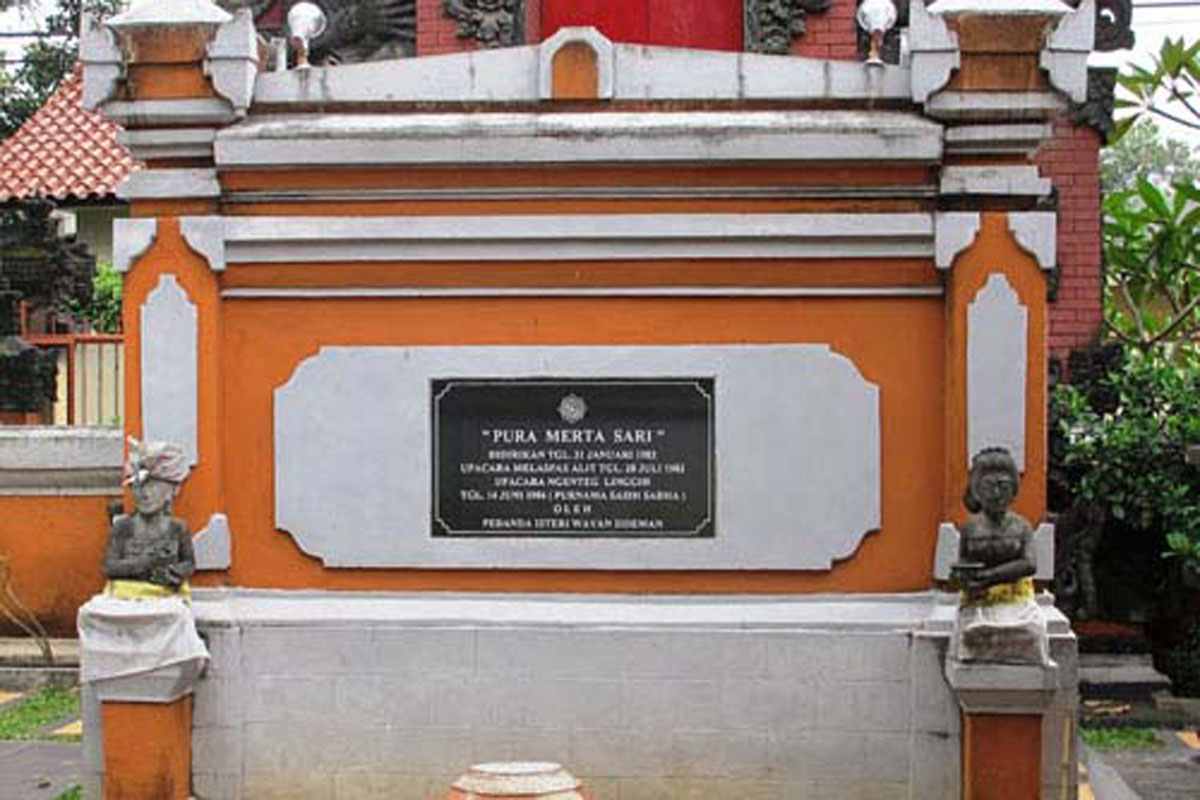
x=998 y=617
x=149 y=551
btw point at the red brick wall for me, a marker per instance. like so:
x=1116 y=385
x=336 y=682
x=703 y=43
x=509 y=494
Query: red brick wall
x=832 y=34
x=1071 y=161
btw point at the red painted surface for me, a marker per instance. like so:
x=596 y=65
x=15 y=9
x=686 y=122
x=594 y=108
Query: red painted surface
x=706 y=24
x=1071 y=161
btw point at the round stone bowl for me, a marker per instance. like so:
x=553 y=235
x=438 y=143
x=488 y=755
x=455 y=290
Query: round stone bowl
x=543 y=780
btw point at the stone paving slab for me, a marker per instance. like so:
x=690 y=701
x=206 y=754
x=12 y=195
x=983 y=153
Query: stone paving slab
x=1170 y=772
x=38 y=770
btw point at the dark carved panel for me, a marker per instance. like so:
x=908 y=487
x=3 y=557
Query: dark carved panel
x=491 y=23
x=1113 y=25
x=771 y=25
x=1097 y=111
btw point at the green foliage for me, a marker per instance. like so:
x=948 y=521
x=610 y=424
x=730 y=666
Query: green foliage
x=45 y=62
x=1114 y=738
x=103 y=311
x=73 y=793
x=1167 y=90
x=30 y=714
x=1145 y=151
x=1151 y=245
x=1127 y=461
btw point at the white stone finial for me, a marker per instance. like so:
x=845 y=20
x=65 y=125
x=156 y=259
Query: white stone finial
x=164 y=13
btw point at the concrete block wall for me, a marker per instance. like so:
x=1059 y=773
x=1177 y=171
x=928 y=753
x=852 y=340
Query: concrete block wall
x=760 y=699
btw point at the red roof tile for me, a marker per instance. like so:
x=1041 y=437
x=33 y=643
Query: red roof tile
x=63 y=151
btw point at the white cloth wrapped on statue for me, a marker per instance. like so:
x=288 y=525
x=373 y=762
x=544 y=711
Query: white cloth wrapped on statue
x=1003 y=625
x=120 y=638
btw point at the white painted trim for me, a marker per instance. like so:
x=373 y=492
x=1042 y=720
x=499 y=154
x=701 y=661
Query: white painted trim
x=995 y=179
x=582 y=137
x=983 y=688
x=989 y=106
x=132 y=237
x=157 y=143
x=232 y=61
x=59 y=461
x=934 y=51
x=170 y=363
x=603 y=237
x=954 y=231
x=206 y=236
x=212 y=544
x=341 y=292
x=638 y=72
x=1000 y=8
x=103 y=62
x=1023 y=139
x=600 y=44
x=1037 y=234
x=190 y=112
x=155 y=184
x=997 y=369
x=170 y=14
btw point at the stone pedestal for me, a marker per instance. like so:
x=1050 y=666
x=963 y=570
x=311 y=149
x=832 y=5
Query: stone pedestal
x=1002 y=707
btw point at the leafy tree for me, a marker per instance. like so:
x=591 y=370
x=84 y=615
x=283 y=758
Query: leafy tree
x=103 y=310
x=44 y=62
x=1151 y=245
x=1167 y=90
x=1144 y=150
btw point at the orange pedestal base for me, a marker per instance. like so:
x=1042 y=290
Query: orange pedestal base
x=147 y=750
x=1002 y=756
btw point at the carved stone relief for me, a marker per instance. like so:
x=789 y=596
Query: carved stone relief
x=1097 y=111
x=491 y=23
x=771 y=25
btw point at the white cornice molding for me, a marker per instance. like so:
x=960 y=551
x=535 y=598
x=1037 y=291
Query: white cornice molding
x=935 y=51
x=1037 y=234
x=1067 y=49
x=588 y=137
x=206 y=236
x=598 y=237
x=954 y=232
x=158 y=184
x=131 y=239
x=638 y=72
x=232 y=61
x=103 y=62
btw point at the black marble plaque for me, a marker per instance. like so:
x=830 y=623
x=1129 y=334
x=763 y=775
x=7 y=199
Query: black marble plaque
x=573 y=457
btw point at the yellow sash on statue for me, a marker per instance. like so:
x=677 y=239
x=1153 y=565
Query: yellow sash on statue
x=1019 y=591
x=125 y=589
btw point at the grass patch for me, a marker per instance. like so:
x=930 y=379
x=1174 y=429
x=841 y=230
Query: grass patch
x=74 y=793
x=28 y=716
x=1114 y=738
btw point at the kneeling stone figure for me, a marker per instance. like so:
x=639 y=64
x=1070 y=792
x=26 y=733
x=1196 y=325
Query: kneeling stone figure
x=999 y=620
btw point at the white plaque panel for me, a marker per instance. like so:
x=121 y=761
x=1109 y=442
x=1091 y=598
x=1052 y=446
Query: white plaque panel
x=169 y=366
x=796 y=446
x=997 y=340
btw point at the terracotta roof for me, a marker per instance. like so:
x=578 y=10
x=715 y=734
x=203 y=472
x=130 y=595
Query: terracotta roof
x=63 y=151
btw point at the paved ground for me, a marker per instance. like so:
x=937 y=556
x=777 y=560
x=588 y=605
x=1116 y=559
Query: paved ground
x=1170 y=772
x=37 y=770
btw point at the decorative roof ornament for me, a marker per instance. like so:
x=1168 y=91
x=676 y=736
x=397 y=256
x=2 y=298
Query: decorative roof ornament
x=1114 y=20
x=771 y=25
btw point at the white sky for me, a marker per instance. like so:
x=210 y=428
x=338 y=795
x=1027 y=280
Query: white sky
x=1151 y=25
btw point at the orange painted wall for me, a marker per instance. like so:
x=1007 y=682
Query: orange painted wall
x=54 y=546
x=896 y=343
x=1002 y=756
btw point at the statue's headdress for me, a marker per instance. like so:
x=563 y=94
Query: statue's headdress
x=164 y=461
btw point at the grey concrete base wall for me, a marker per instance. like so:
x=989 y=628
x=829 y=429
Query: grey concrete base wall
x=325 y=695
